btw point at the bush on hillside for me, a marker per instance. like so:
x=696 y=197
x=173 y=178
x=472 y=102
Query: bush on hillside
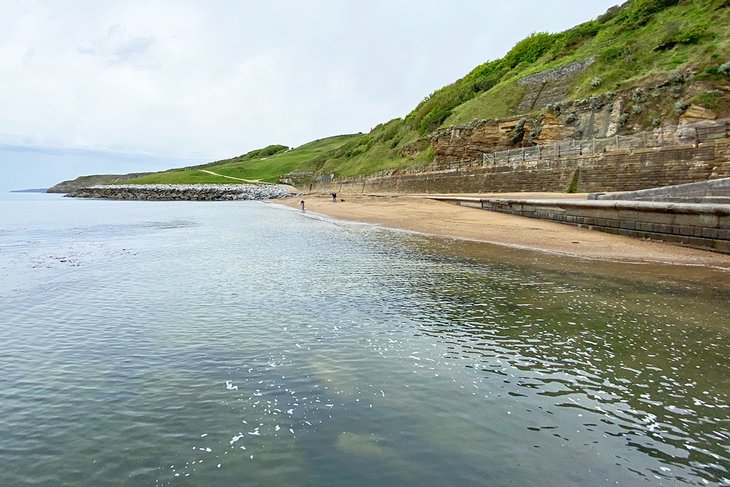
x=530 y=49
x=639 y=12
x=676 y=35
x=566 y=42
x=267 y=151
x=724 y=69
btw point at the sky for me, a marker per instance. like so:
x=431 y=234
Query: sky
x=109 y=87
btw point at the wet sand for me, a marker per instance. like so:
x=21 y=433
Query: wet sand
x=419 y=214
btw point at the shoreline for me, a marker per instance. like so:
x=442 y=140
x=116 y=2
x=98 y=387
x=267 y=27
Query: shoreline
x=429 y=217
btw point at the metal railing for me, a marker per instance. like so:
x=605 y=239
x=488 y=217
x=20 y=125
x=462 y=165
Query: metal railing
x=695 y=134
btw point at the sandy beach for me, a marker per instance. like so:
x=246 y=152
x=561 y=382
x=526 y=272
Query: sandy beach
x=417 y=213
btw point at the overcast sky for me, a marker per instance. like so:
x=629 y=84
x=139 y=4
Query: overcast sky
x=122 y=86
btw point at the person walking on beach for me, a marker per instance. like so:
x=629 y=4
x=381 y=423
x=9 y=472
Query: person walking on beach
x=334 y=197
x=301 y=205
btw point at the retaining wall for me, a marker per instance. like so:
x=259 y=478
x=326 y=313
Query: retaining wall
x=703 y=226
x=624 y=170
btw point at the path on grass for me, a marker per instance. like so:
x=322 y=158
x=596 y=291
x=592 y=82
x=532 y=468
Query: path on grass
x=251 y=181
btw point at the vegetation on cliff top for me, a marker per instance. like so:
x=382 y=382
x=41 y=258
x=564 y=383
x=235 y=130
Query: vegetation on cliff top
x=267 y=164
x=639 y=39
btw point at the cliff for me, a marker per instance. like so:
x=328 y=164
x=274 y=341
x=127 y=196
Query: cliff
x=646 y=66
x=93 y=180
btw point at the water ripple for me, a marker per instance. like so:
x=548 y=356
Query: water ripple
x=240 y=344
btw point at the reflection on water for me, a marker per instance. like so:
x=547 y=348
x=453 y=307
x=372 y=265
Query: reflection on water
x=245 y=344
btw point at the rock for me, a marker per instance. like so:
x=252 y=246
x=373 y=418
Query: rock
x=553 y=128
x=615 y=124
x=469 y=142
x=185 y=192
x=696 y=113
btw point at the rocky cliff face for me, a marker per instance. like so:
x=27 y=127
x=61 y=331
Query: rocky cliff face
x=550 y=86
x=635 y=111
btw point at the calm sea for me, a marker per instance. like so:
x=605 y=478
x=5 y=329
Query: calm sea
x=246 y=344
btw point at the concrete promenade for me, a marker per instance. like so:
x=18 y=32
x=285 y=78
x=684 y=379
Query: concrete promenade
x=703 y=226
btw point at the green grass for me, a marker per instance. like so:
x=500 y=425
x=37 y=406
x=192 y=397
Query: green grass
x=632 y=43
x=500 y=101
x=179 y=176
x=271 y=169
x=627 y=43
x=267 y=169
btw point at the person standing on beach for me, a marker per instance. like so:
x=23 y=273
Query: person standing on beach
x=301 y=205
x=334 y=197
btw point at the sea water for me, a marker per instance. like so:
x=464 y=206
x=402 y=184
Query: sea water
x=247 y=344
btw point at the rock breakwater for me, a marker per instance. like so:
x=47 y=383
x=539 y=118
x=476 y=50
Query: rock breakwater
x=187 y=192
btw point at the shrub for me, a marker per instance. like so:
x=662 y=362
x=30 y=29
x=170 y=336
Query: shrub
x=571 y=39
x=596 y=102
x=610 y=53
x=534 y=133
x=639 y=12
x=596 y=82
x=676 y=78
x=656 y=122
x=638 y=95
x=267 y=151
x=680 y=106
x=682 y=36
x=636 y=109
x=571 y=118
x=573 y=186
x=724 y=69
x=529 y=49
x=519 y=132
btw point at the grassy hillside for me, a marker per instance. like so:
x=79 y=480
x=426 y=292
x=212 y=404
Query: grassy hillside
x=647 y=37
x=267 y=164
x=630 y=43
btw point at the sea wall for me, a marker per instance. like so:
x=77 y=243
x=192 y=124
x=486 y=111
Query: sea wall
x=187 y=192
x=581 y=170
x=703 y=226
x=713 y=191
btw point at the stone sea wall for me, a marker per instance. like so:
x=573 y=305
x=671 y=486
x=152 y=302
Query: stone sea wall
x=186 y=192
x=617 y=170
x=703 y=226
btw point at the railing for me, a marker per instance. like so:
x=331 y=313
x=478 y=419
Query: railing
x=697 y=133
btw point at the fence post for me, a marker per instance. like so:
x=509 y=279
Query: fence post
x=617 y=146
x=643 y=134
